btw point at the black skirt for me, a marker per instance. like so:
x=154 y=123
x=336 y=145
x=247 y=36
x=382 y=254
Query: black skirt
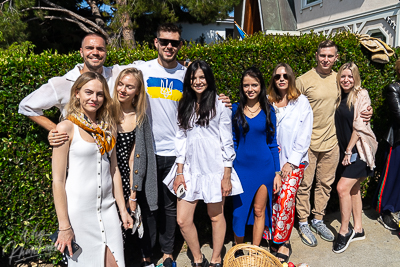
x=357 y=169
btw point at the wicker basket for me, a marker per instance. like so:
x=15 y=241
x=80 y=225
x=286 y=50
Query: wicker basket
x=254 y=256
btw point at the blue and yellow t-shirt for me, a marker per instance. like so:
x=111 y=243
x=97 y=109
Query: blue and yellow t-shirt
x=164 y=89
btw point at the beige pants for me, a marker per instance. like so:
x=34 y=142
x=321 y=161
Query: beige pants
x=323 y=165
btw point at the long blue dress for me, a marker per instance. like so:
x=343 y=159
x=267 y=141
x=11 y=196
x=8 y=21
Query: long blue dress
x=256 y=162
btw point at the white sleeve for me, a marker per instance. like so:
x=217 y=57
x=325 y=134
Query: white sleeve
x=43 y=98
x=303 y=137
x=180 y=146
x=225 y=132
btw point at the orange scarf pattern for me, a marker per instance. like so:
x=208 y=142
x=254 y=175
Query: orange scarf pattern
x=102 y=136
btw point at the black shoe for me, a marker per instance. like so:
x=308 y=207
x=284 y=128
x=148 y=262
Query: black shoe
x=388 y=222
x=239 y=253
x=358 y=236
x=342 y=242
x=168 y=262
x=216 y=264
x=203 y=264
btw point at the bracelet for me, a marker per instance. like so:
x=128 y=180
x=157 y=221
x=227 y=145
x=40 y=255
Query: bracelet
x=181 y=173
x=279 y=173
x=133 y=199
x=65 y=228
x=347 y=153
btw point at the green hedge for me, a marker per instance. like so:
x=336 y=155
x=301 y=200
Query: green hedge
x=26 y=204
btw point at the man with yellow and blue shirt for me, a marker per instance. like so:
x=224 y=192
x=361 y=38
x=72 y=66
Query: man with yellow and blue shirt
x=163 y=80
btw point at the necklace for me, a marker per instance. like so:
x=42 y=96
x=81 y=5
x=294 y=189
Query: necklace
x=252 y=112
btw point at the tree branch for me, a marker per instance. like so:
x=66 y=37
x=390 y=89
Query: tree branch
x=96 y=12
x=80 y=24
x=72 y=14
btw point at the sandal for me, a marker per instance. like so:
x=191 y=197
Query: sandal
x=203 y=264
x=216 y=264
x=273 y=247
x=283 y=256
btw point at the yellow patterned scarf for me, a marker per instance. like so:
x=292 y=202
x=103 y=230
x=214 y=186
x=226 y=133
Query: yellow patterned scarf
x=102 y=136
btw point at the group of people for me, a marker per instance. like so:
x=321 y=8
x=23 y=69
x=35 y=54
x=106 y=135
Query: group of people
x=156 y=135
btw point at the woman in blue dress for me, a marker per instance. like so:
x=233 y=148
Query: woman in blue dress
x=257 y=158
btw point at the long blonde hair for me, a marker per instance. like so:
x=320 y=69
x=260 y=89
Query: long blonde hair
x=104 y=113
x=357 y=83
x=139 y=101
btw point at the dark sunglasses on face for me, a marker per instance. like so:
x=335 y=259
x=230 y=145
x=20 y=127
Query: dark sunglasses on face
x=165 y=42
x=278 y=76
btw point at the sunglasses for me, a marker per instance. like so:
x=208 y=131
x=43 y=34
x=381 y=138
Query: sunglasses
x=165 y=42
x=278 y=76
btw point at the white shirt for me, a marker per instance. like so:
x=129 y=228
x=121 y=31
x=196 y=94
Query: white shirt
x=164 y=89
x=56 y=92
x=294 y=130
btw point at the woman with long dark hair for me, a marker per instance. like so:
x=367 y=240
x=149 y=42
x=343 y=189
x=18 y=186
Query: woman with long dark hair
x=205 y=153
x=257 y=158
x=294 y=119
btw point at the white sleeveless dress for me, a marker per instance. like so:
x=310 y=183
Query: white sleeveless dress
x=91 y=206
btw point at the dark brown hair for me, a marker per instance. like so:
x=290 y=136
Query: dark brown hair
x=325 y=44
x=168 y=27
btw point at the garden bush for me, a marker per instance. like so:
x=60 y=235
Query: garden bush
x=27 y=212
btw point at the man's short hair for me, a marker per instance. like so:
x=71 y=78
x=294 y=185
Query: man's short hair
x=168 y=27
x=325 y=44
x=94 y=34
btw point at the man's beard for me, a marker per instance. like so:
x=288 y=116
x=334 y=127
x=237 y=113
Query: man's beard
x=93 y=68
x=169 y=60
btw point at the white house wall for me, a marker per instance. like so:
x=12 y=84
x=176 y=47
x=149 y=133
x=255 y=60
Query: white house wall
x=195 y=30
x=357 y=16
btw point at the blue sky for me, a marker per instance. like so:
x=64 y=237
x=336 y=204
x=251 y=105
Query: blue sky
x=107 y=9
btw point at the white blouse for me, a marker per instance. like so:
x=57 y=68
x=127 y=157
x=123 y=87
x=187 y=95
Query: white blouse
x=294 y=130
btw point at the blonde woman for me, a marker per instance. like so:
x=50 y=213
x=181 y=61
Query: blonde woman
x=358 y=146
x=85 y=198
x=135 y=154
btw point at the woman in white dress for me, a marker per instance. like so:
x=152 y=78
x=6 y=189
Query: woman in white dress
x=84 y=200
x=204 y=150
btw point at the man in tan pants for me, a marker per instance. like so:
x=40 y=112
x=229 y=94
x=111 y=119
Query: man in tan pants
x=319 y=86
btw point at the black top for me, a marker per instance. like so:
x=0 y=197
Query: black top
x=125 y=143
x=344 y=128
x=392 y=97
x=344 y=124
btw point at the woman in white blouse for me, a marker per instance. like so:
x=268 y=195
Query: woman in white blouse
x=204 y=150
x=294 y=126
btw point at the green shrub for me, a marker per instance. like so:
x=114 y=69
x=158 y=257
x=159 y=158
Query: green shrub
x=26 y=204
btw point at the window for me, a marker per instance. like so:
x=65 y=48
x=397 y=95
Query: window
x=310 y=3
x=377 y=33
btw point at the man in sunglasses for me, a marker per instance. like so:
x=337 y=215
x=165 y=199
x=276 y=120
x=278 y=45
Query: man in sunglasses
x=319 y=86
x=163 y=79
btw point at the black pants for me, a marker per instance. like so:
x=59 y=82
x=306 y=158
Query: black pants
x=166 y=206
x=149 y=221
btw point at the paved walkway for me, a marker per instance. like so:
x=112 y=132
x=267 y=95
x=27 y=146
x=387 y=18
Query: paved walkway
x=381 y=247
